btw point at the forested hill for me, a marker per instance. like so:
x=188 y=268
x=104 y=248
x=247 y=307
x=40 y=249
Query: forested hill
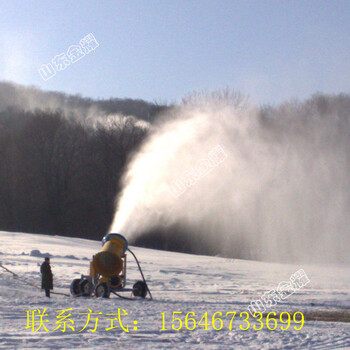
x=62 y=157
x=30 y=98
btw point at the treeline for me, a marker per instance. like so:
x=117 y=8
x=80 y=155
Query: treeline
x=31 y=98
x=60 y=176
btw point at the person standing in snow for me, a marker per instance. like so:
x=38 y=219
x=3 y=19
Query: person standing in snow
x=46 y=276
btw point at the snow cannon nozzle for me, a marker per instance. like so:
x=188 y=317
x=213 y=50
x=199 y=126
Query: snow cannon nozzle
x=116 y=237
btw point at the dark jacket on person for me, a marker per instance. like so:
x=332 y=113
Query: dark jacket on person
x=46 y=276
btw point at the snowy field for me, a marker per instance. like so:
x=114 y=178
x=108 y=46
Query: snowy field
x=179 y=283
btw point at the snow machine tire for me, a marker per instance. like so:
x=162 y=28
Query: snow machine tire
x=75 y=287
x=139 y=289
x=85 y=288
x=102 y=290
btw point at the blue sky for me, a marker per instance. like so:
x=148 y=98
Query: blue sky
x=162 y=50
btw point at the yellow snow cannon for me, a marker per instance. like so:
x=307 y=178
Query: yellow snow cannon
x=109 y=261
x=108 y=272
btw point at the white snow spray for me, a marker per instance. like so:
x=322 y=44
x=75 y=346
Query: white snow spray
x=267 y=184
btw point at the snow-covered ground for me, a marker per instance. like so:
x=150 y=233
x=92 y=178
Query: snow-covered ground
x=179 y=282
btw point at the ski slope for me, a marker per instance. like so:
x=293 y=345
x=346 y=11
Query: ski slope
x=179 y=283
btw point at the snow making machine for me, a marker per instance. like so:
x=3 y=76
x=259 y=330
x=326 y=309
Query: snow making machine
x=108 y=272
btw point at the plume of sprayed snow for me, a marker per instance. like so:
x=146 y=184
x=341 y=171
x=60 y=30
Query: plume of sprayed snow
x=117 y=120
x=282 y=193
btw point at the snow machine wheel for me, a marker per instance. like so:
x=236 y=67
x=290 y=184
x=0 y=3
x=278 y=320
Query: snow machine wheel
x=85 y=288
x=139 y=289
x=102 y=290
x=75 y=288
